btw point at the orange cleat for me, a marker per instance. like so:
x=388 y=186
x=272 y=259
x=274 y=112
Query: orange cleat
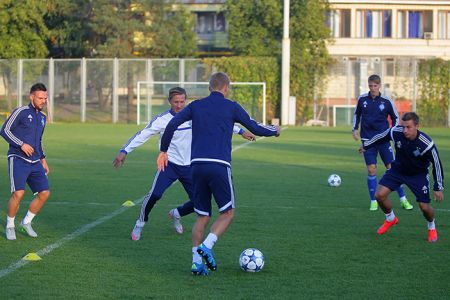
x=386 y=225
x=432 y=235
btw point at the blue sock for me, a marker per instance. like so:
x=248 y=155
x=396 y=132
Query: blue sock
x=372 y=186
x=401 y=192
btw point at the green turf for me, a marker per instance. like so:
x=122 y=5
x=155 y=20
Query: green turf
x=319 y=242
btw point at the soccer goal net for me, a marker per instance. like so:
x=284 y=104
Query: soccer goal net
x=343 y=114
x=152 y=97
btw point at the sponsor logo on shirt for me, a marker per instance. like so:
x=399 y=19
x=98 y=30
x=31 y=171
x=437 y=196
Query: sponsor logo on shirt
x=365 y=104
x=425 y=189
x=30 y=117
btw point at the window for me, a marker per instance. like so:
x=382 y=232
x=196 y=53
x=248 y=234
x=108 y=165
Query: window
x=373 y=23
x=444 y=25
x=210 y=22
x=339 y=22
x=413 y=24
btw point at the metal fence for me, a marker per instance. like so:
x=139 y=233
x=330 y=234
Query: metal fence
x=105 y=90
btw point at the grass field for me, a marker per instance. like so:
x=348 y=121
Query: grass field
x=319 y=242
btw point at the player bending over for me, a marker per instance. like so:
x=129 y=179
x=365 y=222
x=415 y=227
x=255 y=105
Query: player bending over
x=414 y=152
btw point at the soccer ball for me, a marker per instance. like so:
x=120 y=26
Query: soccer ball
x=334 y=180
x=251 y=260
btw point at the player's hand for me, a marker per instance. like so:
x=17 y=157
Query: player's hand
x=162 y=161
x=355 y=135
x=44 y=164
x=27 y=149
x=119 y=160
x=248 y=136
x=361 y=150
x=278 y=130
x=439 y=196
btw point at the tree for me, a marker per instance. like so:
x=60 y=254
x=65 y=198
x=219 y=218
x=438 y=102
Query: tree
x=22 y=35
x=256 y=29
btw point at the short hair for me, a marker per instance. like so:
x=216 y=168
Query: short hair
x=374 y=78
x=218 y=81
x=411 y=116
x=176 y=91
x=38 y=87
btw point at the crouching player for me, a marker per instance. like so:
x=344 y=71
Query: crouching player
x=414 y=151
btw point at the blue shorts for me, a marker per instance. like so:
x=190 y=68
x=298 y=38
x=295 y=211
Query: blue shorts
x=22 y=172
x=418 y=184
x=212 y=179
x=386 y=153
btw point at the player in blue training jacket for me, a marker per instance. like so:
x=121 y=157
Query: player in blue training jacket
x=179 y=161
x=372 y=111
x=414 y=152
x=26 y=159
x=212 y=118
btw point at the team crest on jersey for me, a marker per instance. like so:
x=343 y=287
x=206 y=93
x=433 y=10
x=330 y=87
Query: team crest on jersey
x=399 y=144
x=30 y=117
x=381 y=106
x=416 y=152
x=365 y=104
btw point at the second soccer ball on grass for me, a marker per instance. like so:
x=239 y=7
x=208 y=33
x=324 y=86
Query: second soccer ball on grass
x=334 y=180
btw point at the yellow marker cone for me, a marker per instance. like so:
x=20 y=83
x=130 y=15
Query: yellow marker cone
x=32 y=257
x=128 y=203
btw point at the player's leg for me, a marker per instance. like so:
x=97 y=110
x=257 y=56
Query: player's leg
x=370 y=157
x=162 y=180
x=222 y=189
x=38 y=182
x=388 y=156
x=185 y=177
x=388 y=183
x=18 y=171
x=202 y=206
x=419 y=185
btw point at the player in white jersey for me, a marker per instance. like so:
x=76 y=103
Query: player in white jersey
x=179 y=153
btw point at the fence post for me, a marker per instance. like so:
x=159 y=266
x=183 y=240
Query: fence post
x=19 y=82
x=51 y=89
x=414 y=99
x=181 y=71
x=83 y=90
x=115 y=94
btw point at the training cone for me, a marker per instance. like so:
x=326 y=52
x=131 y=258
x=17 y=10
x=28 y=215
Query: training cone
x=128 y=203
x=32 y=257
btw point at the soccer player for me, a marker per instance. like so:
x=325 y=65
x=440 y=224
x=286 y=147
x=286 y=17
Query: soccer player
x=23 y=131
x=212 y=122
x=372 y=111
x=179 y=158
x=414 y=152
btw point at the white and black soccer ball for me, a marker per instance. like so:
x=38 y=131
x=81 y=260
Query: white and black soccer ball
x=251 y=260
x=334 y=180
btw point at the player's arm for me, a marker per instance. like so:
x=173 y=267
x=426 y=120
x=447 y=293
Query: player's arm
x=245 y=134
x=180 y=118
x=438 y=173
x=383 y=137
x=356 y=121
x=242 y=117
x=393 y=113
x=44 y=164
x=8 y=127
x=153 y=127
x=42 y=158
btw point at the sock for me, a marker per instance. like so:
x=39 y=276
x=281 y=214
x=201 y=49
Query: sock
x=401 y=193
x=10 y=221
x=176 y=214
x=210 y=240
x=390 y=216
x=372 y=186
x=196 y=258
x=431 y=225
x=140 y=223
x=28 y=218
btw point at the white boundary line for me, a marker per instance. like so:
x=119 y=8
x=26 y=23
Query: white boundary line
x=19 y=264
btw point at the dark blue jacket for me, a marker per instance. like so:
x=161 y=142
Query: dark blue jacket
x=412 y=157
x=213 y=119
x=373 y=114
x=25 y=125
